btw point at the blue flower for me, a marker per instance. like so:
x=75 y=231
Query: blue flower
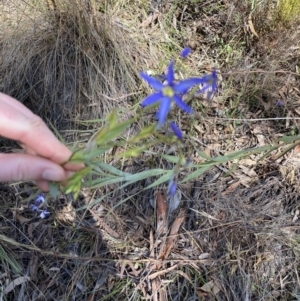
x=279 y=103
x=176 y=130
x=185 y=52
x=39 y=200
x=35 y=207
x=210 y=82
x=44 y=213
x=168 y=93
x=172 y=187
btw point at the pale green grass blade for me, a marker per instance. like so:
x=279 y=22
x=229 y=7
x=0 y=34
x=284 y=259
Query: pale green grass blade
x=162 y=179
x=197 y=173
x=14 y=265
x=172 y=159
x=111 y=169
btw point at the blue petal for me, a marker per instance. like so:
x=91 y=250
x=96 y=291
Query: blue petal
x=44 y=214
x=184 y=85
x=39 y=200
x=211 y=80
x=170 y=73
x=185 y=52
x=215 y=79
x=182 y=105
x=163 y=111
x=204 y=88
x=152 y=82
x=34 y=208
x=279 y=103
x=151 y=99
x=176 y=130
x=172 y=188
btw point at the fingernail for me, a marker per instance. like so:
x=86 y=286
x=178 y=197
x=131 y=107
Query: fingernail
x=69 y=174
x=53 y=175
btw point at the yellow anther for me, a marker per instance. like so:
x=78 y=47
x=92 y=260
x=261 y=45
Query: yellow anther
x=168 y=91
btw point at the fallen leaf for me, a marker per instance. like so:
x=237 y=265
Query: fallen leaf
x=149 y=20
x=204 y=256
x=257 y=131
x=21 y=218
x=231 y=187
x=173 y=233
x=161 y=212
x=250 y=23
x=248 y=171
x=183 y=274
x=210 y=287
x=14 y=283
x=33 y=267
x=247 y=162
x=201 y=294
x=297 y=149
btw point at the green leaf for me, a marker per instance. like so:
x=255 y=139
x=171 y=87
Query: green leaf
x=172 y=159
x=197 y=173
x=204 y=155
x=164 y=178
x=85 y=156
x=111 y=133
x=92 y=143
x=134 y=152
x=288 y=139
x=144 y=133
x=144 y=174
x=54 y=189
x=74 y=183
x=101 y=182
x=220 y=159
x=112 y=119
x=11 y=261
x=111 y=169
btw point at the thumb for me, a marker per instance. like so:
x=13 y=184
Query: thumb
x=21 y=167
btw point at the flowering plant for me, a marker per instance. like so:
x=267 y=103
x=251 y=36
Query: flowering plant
x=167 y=92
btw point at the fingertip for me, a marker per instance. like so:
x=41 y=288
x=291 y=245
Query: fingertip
x=71 y=166
x=43 y=185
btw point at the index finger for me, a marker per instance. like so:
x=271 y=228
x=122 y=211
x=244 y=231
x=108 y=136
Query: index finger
x=19 y=123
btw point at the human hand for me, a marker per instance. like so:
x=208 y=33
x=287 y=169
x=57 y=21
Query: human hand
x=46 y=156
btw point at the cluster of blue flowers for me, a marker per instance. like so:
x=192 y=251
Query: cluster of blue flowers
x=169 y=92
x=36 y=206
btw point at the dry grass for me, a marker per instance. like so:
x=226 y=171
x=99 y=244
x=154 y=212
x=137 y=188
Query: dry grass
x=237 y=235
x=69 y=63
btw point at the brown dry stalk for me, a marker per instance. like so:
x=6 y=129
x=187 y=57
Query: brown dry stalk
x=174 y=232
x=161 y=213
x=162 y=272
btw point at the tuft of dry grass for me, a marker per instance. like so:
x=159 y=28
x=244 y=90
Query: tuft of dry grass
x=69 y=62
